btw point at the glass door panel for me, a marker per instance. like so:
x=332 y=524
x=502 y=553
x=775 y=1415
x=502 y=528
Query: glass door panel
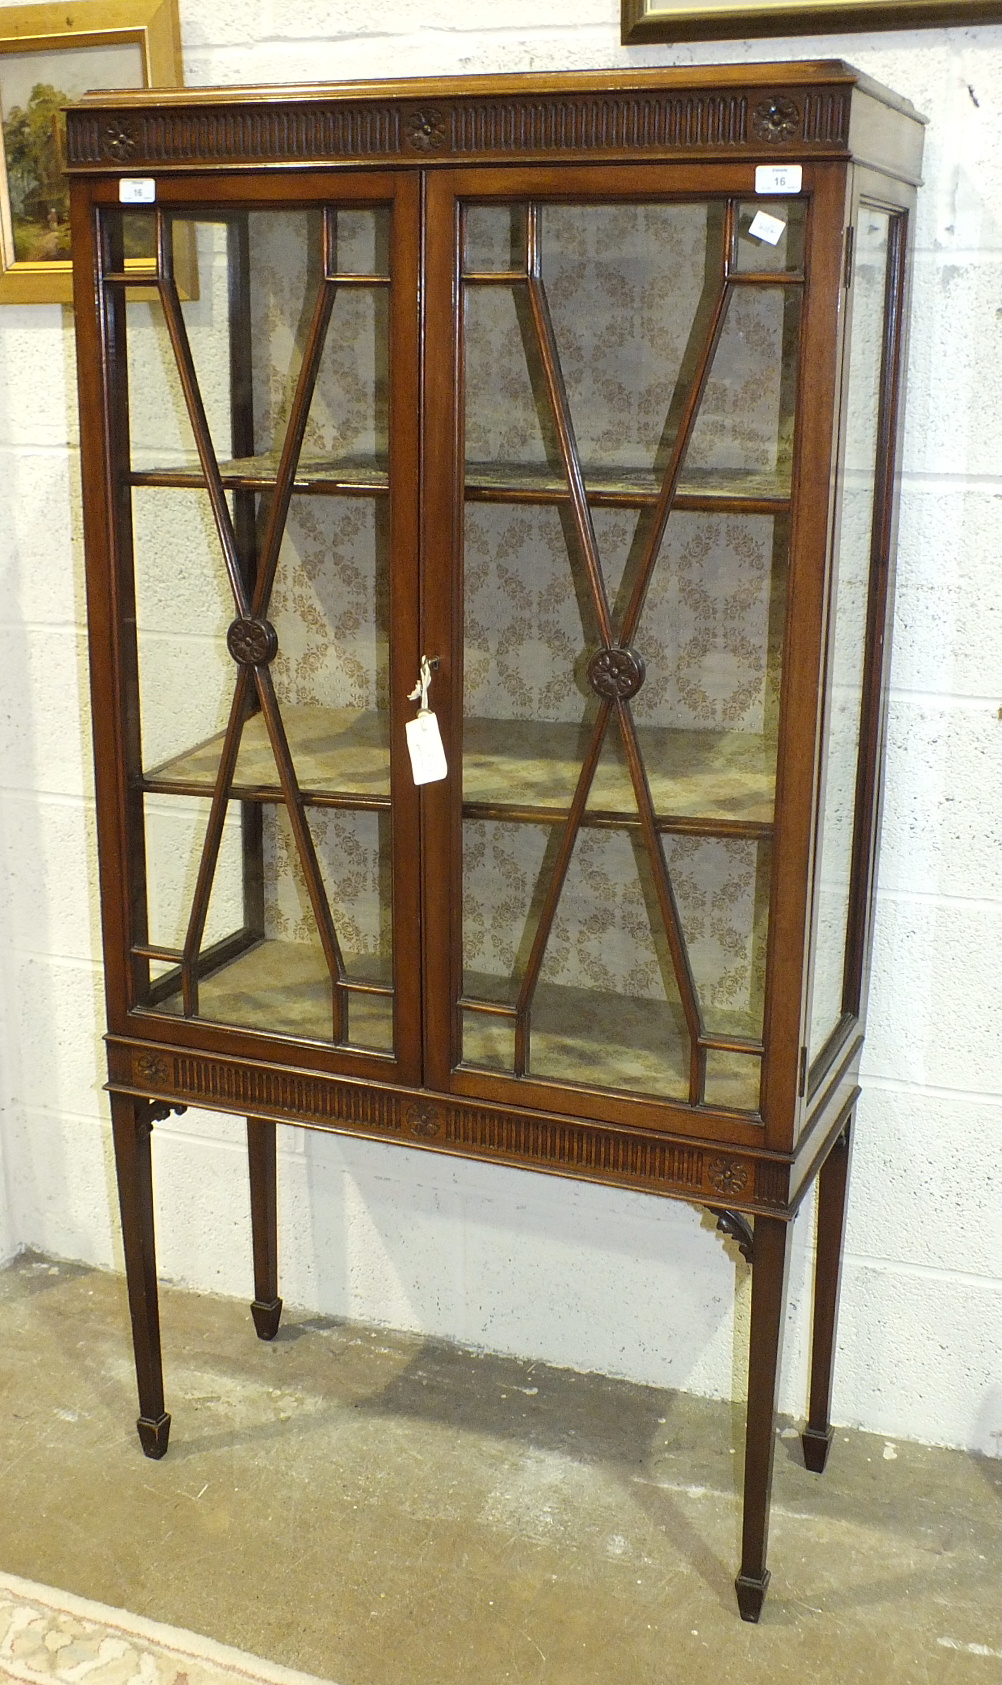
x=607 y=1009
x=182 y=615
x=259 y=464
x=770 y=237
x=722 y=886
x=629 y=391
x=346 y=434
x=742 y=440
x=174 y=829
x=283 y=982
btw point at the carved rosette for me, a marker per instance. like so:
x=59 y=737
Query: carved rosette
x=616 y=673
x=152 y=1068
x=423 y=1120
x=252 y=642
x=426 y=130
x=727 y=1175
x=776 y=119
x=119 y=140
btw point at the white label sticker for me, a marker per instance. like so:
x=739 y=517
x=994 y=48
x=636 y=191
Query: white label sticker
x=424 y=741
x=137 y=190
x=778 y=178
x=766 y=227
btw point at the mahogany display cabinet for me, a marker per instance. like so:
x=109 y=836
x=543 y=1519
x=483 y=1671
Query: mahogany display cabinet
x=554 y=418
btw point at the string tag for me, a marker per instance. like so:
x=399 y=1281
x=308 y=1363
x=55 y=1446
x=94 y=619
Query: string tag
x=424 y=740
x=424 y=743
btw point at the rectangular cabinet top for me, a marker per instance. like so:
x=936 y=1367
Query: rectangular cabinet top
x=813 y=109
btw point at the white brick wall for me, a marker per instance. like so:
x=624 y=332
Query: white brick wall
x=583 y=1276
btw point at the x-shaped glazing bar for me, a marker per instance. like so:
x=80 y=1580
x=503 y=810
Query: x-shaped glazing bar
x=677 y=454
x=299 y=415
x=178 y=334
x=571 y=456
x=258 y=671
x=667 y=904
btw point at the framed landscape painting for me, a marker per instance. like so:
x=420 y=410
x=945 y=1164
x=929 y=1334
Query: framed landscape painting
x=50 y=55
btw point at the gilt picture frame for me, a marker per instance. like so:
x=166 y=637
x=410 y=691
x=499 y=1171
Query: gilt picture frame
x=736 y=20
x=49 y=56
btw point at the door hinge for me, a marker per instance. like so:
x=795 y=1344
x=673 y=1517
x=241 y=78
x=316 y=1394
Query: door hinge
x=802 y=1086
x=850 y=246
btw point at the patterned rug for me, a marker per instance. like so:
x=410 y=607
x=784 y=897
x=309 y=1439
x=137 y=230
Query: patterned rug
x=50 y=1637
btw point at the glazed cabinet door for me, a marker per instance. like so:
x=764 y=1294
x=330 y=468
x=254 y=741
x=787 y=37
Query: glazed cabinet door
x=257 y=613
x=611 y=540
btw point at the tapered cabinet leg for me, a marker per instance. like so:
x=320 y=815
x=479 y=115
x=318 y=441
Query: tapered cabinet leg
x=833 y=1183
x=267 y=1306
x=769 y=1271
x=132 y=1123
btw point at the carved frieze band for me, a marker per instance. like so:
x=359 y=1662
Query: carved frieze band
x=285 y=1092
x=628 y=123
x=577 y=1148
x=603 y=123
x=824 y=117
x=225 y=133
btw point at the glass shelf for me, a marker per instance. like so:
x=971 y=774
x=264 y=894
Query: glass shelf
x=336 y=751
x=489 y=482
x=718 y=776
x=723 y=778
x=320 y=475
x=631 y=488
x=599 y=1039
x=285 y=988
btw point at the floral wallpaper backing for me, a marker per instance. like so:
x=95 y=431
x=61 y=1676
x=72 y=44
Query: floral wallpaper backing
x=607 y=932
x=710 y=632
x=629 y=289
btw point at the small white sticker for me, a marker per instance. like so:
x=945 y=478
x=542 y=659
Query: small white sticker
x=424 y=742
x=766 y=227
x=137 y=190
x=778 y=178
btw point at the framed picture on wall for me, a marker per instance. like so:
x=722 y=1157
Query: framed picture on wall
x=735 y=20
x=50 y=55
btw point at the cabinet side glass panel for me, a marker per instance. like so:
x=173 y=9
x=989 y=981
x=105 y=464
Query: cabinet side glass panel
x=628 y=440
x=183 y=609
x=847 y=637
x=258 y=456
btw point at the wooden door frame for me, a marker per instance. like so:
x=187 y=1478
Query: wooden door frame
x=111 y=598
x=817 y=386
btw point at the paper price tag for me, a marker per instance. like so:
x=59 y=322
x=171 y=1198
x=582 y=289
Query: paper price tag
x=766 y=227
x=137 y=190
x=779 y=178
x=424 y=743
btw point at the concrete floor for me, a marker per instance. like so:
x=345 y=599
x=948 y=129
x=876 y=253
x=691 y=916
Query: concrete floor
x=381 y=1510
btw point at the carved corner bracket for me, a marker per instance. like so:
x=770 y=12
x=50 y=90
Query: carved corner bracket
x=737 y=1228
x=149 y=1112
